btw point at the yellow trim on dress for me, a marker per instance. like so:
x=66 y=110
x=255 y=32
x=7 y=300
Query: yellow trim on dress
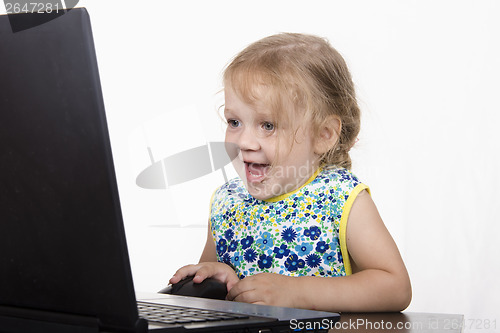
x=343 y=225
x=286 y=195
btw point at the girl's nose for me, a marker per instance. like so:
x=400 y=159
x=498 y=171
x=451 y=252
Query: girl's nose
x=248 y=140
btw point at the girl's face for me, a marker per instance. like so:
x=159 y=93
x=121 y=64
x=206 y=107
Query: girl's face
x=269 y=167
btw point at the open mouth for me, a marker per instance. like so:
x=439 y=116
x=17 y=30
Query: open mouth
x=256 y=171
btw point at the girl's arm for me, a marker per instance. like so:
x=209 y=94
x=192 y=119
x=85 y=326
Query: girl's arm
x=379 y=281
x=209 y=252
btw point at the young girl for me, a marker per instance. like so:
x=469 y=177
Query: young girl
x=297 y=228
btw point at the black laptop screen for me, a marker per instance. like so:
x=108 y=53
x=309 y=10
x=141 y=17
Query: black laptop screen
x=62 y=243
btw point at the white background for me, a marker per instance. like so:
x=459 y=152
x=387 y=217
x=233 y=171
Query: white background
x=427 y=75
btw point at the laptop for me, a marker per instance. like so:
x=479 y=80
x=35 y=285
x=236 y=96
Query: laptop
x=63 y=254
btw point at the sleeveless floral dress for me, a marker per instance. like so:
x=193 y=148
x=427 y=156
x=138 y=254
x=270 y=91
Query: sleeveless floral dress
x=296 y=234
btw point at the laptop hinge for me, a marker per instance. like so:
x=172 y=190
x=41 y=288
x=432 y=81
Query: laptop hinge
x=18 y=320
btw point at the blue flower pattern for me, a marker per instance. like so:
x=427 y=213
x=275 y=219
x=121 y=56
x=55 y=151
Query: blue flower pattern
x=304 y=249
x=296 y=236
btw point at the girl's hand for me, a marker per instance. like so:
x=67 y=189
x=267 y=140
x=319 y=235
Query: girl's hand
x=201 y=271
x=266 y=288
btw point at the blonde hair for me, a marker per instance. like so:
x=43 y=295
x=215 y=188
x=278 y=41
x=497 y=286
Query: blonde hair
x=303 y=72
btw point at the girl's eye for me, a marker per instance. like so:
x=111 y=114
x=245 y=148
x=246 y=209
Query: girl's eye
x=233 y=122
x=268 y=126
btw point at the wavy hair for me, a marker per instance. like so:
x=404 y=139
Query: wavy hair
x=305 y=73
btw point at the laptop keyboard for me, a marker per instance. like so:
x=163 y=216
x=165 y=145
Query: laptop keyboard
x=168 y=314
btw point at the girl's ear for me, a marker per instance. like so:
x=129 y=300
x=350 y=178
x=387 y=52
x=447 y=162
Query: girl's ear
x=328 y=135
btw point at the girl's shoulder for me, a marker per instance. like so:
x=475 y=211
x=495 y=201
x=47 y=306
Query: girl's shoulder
x=234 y=188
x=337 y=176
x=233 y=185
